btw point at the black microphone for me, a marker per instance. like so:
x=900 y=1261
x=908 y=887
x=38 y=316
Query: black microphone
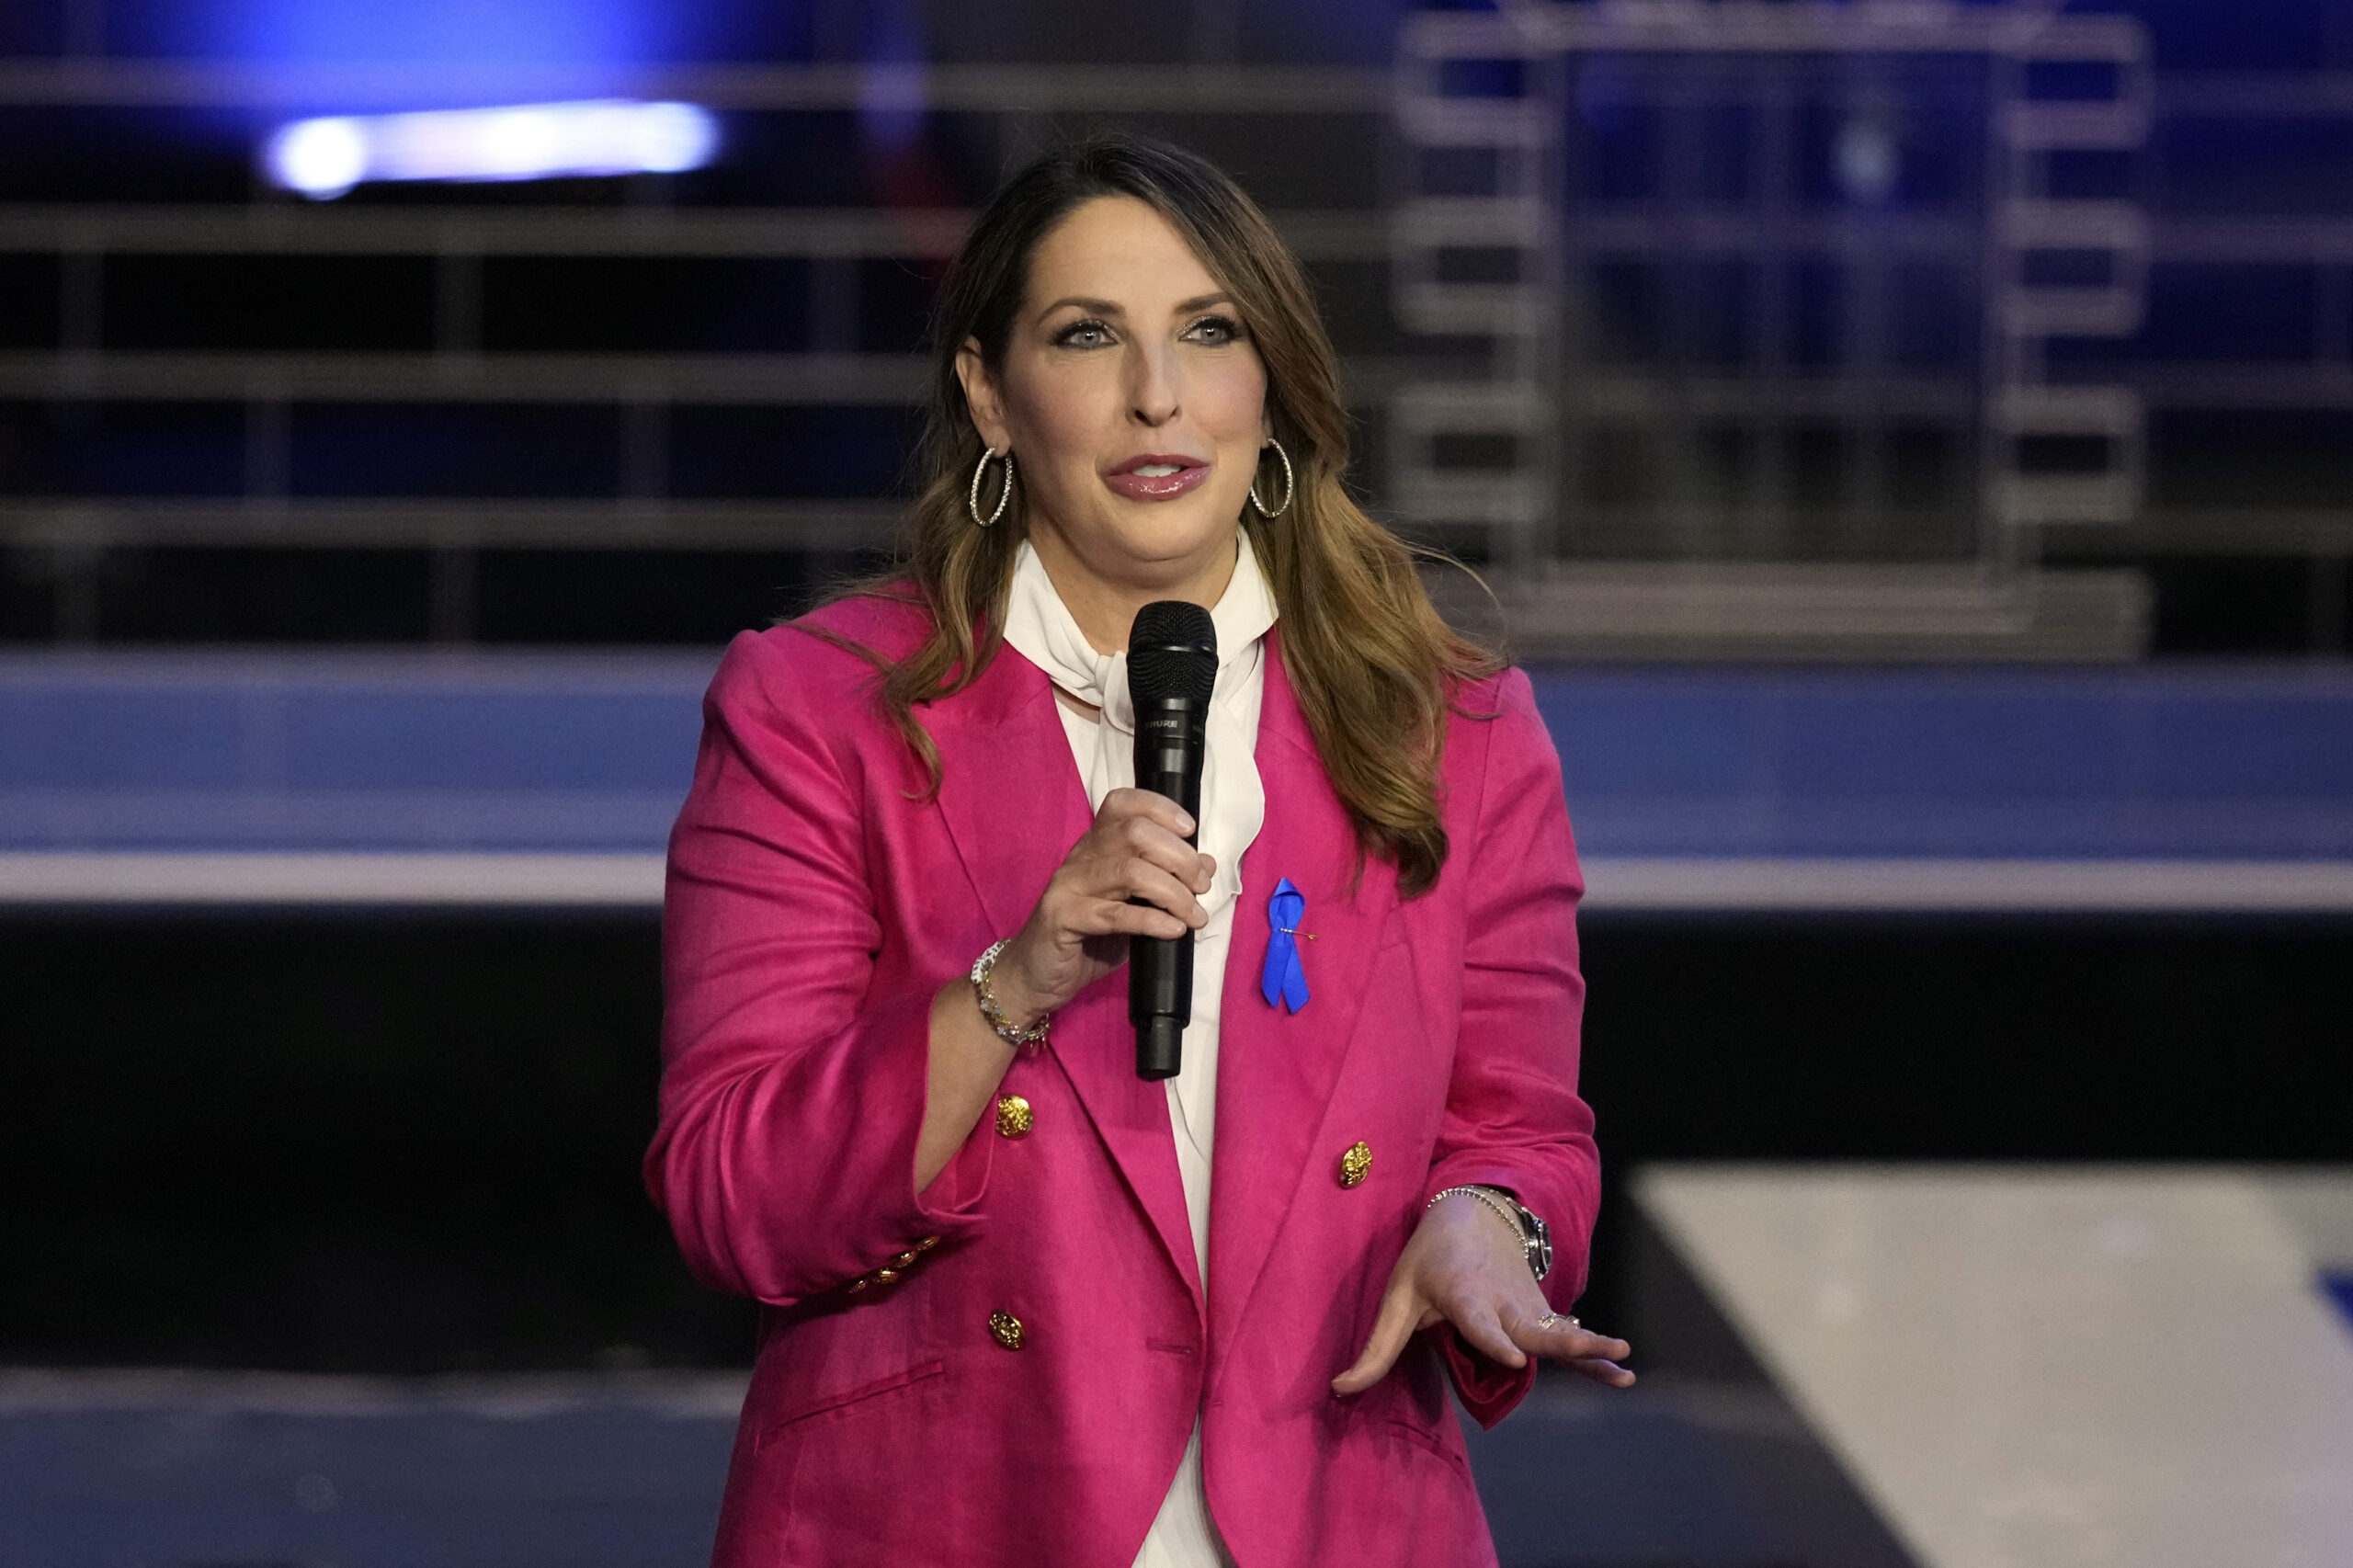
x=1172 y=670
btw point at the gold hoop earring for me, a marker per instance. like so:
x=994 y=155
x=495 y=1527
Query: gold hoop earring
x=1290 y=484
x=1004 y=494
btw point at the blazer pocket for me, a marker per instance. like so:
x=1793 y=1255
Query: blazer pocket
x=819 y=1403
x=1414 y=1436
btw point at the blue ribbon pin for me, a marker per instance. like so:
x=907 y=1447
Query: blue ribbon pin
x=1284 y=981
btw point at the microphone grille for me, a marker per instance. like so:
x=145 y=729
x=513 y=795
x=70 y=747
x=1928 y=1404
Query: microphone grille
x=1172 y=651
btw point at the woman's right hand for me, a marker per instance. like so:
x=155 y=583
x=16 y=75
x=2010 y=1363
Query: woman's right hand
x=1079 y=931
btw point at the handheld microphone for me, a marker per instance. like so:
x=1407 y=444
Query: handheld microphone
x=1172 y=670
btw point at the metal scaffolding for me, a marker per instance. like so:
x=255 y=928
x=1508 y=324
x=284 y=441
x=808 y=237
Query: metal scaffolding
x=1707 y=326
x=1766 y=287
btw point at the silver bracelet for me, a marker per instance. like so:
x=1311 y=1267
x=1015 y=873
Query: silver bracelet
x=1486 y=1196
x=1006 y=1030
x=1527 y=1227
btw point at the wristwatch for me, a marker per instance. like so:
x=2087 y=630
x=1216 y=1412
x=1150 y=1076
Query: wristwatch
x=1535 y=1237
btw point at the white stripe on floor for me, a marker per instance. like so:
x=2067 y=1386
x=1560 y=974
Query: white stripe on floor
x=1966 y=886
x=2034 y=1367
x=478 y=880
x=1615 y=884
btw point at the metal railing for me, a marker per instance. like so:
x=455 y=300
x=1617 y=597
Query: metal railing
x=1515 y=425
x=262 y=392
x=1507 y=458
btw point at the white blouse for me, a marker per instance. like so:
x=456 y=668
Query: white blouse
x=1234 y=807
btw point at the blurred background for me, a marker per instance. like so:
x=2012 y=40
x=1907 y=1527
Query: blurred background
x=1910 y=442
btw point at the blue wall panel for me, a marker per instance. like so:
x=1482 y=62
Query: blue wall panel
x=2166 y=762
x=333 y=752
x=536 y=752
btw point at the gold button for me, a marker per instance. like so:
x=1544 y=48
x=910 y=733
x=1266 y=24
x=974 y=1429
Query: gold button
x=1005 y=1329
x=1014 y=1119
x=926 y=1244
x=886 y=1276
x=860 y=1283
x=1355 y=1164
x=903 y=1259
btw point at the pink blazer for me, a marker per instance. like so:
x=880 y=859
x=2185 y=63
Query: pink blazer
x=817 y=901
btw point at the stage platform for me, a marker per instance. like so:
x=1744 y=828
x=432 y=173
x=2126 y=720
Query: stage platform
x=182 y=1470
x=1957 y=1367
x=550 y=780
x=2039 y=1368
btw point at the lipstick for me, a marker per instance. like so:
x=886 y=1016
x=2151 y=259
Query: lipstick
x=1156 y=477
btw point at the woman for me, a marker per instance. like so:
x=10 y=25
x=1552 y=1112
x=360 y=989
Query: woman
x=1022 y=1307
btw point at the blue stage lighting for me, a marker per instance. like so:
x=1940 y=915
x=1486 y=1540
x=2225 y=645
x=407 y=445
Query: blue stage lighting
x=586 y=32
x=323 y=158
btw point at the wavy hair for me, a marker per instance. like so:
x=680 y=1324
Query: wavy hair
x=1375 y=670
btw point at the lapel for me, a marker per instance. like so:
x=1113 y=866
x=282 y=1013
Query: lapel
x=1276 y=1069
x=1010 y=795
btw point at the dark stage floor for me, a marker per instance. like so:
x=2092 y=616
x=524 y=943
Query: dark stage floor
x=222 y=1470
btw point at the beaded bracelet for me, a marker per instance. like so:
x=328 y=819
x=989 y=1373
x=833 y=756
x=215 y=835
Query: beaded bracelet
x=1007 y=1031
x=1485 y=1196
x=1535 y=1241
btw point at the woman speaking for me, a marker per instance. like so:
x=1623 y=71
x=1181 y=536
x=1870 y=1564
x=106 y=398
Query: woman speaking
x=1022 y=1305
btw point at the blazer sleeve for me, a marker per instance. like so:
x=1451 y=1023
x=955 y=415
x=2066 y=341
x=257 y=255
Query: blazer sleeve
x=793 y=1087
x=1513 y=1117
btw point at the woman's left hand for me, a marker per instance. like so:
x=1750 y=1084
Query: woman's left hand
x=1464 y=1266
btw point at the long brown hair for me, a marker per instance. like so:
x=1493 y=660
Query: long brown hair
x=1374 y=668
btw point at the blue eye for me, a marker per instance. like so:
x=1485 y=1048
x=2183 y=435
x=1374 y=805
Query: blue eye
x=1084 y=334
x=1216 y=330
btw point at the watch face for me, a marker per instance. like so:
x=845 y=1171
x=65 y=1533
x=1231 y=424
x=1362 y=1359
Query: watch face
x=1540 y=1250
x=1536 y=1240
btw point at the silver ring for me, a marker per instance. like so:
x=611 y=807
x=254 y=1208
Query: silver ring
x=1554 y=1320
